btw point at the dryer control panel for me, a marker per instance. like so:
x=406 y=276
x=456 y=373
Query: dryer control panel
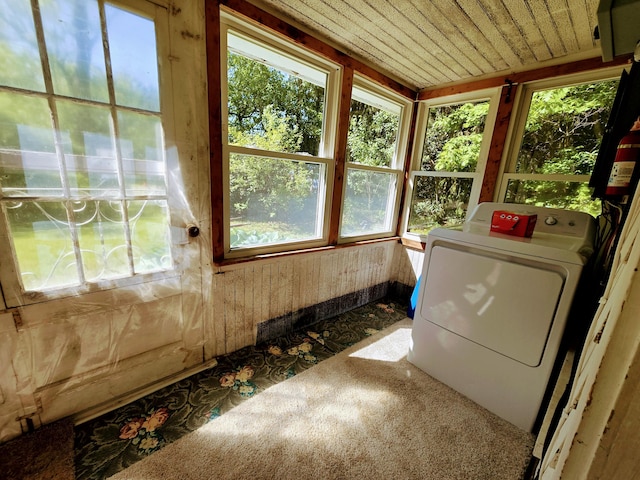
x=550 y=220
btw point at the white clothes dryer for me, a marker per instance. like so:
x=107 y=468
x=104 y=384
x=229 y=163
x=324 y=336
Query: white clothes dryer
x=492 y=308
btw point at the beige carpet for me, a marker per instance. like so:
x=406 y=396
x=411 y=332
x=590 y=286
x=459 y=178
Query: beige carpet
x=44 y=454
x=364 y=413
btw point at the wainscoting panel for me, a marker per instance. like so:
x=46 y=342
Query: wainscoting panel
x=294 y=289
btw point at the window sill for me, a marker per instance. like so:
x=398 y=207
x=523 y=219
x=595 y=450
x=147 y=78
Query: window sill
x=413 y=244
x=278 y=255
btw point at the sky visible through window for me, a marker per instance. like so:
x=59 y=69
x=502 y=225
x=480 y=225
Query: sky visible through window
x=72 y=33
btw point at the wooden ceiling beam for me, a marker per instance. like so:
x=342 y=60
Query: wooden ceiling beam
x=516 y=78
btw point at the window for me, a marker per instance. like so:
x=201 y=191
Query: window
x=280 y=110
x=449 y=158
x=560 y=129
x=375 y=154
x=82 y=163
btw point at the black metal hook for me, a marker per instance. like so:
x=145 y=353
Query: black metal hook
x=507 y=98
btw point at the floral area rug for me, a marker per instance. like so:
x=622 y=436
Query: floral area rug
x=116 y=440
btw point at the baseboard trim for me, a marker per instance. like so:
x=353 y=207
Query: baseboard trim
x=105 y=407
x=285 y=324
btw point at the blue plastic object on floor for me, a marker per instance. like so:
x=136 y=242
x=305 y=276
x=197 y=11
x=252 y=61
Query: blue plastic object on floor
x=414 y=300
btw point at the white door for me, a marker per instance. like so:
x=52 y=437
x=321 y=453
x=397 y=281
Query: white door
x=103 y=167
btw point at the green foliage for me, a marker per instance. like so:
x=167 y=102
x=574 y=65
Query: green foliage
x=562 y=136
x=446 y=146
x=266 y=189
x=266 y=233
x=444 y=203
x=263 y=188
x=564 y=128
x=460 y=154
x=366 y=201
x=271 y=110
x=244 y=238
x=258 y=94
x=437 y=214
x=372 y=135
x=276 y=134
x=566 y=195
x=371 y=141
x=452 y=144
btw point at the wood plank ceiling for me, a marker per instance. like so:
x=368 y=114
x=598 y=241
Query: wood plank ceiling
x=428 y=43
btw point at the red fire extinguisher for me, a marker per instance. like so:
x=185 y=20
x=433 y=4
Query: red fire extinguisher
x=627 y=155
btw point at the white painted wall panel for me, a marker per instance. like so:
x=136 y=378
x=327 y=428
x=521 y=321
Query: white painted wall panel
x=407 y=265
x=10 y=404
x=247 y=294
x=611 y=345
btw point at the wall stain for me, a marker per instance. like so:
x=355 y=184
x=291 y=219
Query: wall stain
x=188 y=34
x=289 y=322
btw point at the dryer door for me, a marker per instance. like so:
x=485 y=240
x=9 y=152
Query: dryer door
x=507 y=306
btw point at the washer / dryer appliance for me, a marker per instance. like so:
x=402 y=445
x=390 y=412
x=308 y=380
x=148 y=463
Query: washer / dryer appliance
x=492 y=308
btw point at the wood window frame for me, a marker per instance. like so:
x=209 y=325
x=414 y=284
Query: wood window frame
x=522 y=108
x=275 y=49
x=508 y=82
x=350 y=66
x=490 y=95
x=398 y=162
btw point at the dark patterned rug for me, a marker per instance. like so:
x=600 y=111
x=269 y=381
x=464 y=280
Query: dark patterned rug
x=116 y=440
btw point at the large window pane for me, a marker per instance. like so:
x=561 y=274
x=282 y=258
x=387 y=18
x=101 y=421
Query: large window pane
x=568 y=195
x=373 y=133
x=42 y=244
x=94 y=170
x=438 y=202
x=134 y=64
x=73 y=34
x=561 y=136
x=20 y=59
x=367 y=202
x=89 y=149
x=149 y=223
x=564 y=129
x=369 y=205
x=453 y=137
x=452 y=143
x=279 y=141
x=273 y=200
x=28 y=162
x=141 y=147
x=274 y=103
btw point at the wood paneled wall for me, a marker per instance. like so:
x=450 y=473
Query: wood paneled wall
x=246 y=294
x=589 y=423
